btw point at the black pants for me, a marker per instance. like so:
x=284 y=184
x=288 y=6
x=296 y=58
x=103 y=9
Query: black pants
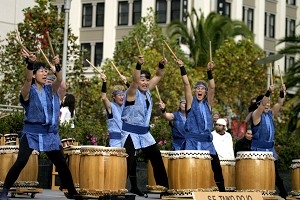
x=218 y=175
x=57 y=157
x=279 y=182
x=153 y=154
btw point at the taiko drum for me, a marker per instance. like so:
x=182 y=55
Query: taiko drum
x=102 y=171
x=255 y=171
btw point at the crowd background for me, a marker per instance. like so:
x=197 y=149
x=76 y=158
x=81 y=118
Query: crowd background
x=237 y=76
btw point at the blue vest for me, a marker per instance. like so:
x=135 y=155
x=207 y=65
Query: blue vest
x=41 y=119
x=264 y=134
x=138 y=114
x=178 y=131
x=136 y=119
x=114 y=126
x=198 y=127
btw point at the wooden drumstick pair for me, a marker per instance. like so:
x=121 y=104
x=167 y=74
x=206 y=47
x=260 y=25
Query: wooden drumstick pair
x=271 y=74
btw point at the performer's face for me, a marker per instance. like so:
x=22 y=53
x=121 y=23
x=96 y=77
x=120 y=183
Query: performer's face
x=143 y=84
x=41 y=75
x=119 y=98
x=200 y=93
x=248 y=135
x=182 y=106
x=267 y=107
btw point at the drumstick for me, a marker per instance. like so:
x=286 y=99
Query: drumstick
x=170 y=50
x=18 y=39
x=45 y=56
x=271 y=75
x=115 y=68
x=158 y=93
x=93 y=66
x=4 y=116
x=50 y=44
x=280 y=75
x=210 y=54
x=137 y=43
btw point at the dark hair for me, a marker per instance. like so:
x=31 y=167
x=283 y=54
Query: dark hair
x=147 y=73
x=259 y=98
x=70 y=102
x=38 y=65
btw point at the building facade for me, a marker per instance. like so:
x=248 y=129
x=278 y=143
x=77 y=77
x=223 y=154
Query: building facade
x=100 y=24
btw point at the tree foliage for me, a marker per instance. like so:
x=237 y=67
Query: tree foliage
x=215 y=28
x=237 y=78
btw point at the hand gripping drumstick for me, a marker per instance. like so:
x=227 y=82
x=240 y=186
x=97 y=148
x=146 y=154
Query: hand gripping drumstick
x=50 y=44
x=93 y=66
x=117 y=70
x=158 y=93
x=280 y=75
x=170 y=50
x=45 y=56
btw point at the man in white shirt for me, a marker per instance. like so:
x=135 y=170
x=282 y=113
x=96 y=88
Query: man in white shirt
x=222 y=141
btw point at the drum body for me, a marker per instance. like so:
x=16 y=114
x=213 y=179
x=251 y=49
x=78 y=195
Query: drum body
x=295 y=166
x=74 y=153
x=102 y=171
x=1 y=140
x=189 y=171
x=152 y=187
x=28 y=176
x=228 y=171
x=255 y=171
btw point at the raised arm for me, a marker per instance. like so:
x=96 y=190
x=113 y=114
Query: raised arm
x=186 y=85
x=211 y=84
x=256 y=115
x=30 y=59
x=165 y=115
x=104 y=98
x=131 y=92
x=276 y=108
x=56 y=69
x=158 y=75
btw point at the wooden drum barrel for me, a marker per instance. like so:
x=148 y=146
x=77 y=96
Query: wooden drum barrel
x=189 y=171
x=295 y=166
x=152 y=187
x=228 y=171
x=255 y=171
x=74 y=153
x=102 y=171
x=28 y=176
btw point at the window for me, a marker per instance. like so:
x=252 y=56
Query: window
x=137 y=11
x=272 y=26
x=248 y=17
x=289 y=61
x=224 y=8
x=87 y=15
x=175 y=10
x=98 y=53
x=100 y=14
x=86 y=48
x=227 y=9
x=291 y=2
x=269 y=25
x=161 y=11
x=123 y=13
x=290 y=29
